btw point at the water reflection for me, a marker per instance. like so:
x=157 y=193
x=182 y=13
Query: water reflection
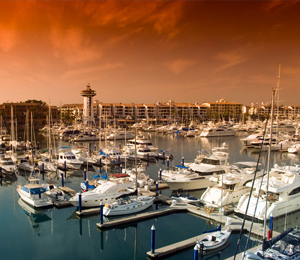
x=35 y=216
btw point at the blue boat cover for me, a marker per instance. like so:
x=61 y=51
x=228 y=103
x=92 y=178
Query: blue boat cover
x=35 y=191
x=181 y=166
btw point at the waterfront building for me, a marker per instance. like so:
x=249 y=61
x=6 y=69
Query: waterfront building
x=140 y=112
x=129 y=111
x=118 y=110
x=151 y=111
x=38 y=109
x=88 y=111
x=72 y=112
x=165 y=110
x=222 y=109
x=105 y=110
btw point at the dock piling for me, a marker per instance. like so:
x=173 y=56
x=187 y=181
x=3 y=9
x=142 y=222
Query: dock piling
x=152 y=239
x=196 y=252
x=101 y=213
x=62 y=180
x=79 y=202
x=160 y=174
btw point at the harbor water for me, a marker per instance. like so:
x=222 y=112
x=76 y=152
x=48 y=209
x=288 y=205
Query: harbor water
x=53 y=233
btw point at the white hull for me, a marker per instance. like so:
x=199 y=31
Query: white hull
x=214 y=196
x=94 y=201
x=194 y=184
x=215 y=240
x=34 y=200
x=278 y=208
x=126 y=209
x=107 y=192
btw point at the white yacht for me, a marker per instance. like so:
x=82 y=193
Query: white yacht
x=126 y=206
x=211 y=164
x=85 y=137
x=120 y=135
x=230 y=186
x=142 y=142
x=46 y=165
x=82 y=154
x=8 y=166
x=34 y=194
x=295 y=148
x=146 y=154
x=24 y=164
x=282 y=196
x=250 y=138
x=199 y=178
x=66 y=156
x=107 y=192
x=217 y=132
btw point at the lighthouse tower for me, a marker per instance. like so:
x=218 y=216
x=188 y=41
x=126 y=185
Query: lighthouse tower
x=88 y=112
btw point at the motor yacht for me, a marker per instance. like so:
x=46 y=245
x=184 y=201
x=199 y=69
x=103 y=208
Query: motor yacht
x=9 y=168
x=107 y=192
x=34 y=194
x=67 y=158
x=281 y=193
x=217 y=132
x=126 y=206
x=230 y=186
x=141 y=141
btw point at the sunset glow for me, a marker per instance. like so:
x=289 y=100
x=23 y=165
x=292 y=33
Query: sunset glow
x=148 y=51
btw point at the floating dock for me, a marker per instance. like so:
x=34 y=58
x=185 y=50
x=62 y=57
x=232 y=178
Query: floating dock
x=175 y=207
x=139 y=217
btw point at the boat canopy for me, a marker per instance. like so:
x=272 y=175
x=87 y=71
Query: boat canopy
x=35 y=191
x=181 y=166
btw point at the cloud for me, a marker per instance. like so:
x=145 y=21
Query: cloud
x=90 y=70
x=179 y=65
x=73 y=46
x=159 y=16
x=278 y=5
x=230 y=59
x=8 y=39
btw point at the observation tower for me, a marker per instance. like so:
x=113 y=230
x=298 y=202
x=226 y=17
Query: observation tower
x=88 y=111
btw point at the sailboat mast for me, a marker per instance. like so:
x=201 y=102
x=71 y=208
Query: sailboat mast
x=268 y=165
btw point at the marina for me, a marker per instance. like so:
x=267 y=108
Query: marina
x=174 y=243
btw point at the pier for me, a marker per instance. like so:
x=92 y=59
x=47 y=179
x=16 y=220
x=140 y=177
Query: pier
x=234 y=224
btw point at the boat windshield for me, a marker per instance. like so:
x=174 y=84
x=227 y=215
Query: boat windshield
x=8 y=163
x=210 y=161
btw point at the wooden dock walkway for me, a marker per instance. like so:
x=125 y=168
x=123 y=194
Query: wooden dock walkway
x=140 y=216
x=235 y=224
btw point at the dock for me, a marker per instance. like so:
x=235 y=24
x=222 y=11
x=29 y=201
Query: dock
x=234 y=224
x=176 y=207
x=139 y=217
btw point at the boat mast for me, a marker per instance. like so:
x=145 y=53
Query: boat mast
x=268 y=165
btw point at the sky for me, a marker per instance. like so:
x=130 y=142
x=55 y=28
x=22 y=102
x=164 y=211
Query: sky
x=149 y=51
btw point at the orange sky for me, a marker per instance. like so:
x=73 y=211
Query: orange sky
x=148 y=51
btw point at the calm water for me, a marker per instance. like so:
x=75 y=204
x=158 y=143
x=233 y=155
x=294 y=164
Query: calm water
x=59 y=234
